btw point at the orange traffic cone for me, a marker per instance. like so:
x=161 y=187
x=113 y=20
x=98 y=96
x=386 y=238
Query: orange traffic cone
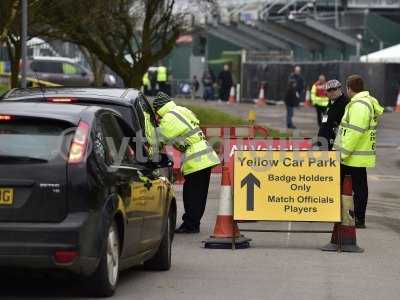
x=226 y=232
x=398 y=102
x=344 y=233
x=232 y=97
x=261 y=97
x=307 y=103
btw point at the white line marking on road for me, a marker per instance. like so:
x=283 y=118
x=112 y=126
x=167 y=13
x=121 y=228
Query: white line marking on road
x=288 y=234
x=384 y=177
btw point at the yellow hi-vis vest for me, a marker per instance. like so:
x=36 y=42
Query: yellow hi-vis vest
x=180 y=127
x=316 y=97
x=356 y=138
x=162 y=74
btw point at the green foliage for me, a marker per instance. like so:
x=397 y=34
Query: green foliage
x=211 y=116
x=3 y=88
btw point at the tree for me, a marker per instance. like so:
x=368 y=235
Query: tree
x=8 y=12
x=128 y=36
x=11 y=29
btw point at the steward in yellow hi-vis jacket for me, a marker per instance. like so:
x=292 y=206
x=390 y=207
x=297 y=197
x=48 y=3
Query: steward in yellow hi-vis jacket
x=319 y=99
x=356 y=140
x=179 y=126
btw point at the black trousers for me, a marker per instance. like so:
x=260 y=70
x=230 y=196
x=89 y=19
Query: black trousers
x=195 y=192
x=320 y=112
x=360 y=189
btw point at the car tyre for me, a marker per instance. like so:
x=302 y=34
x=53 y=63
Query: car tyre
x=161 y=261
x=104 y=281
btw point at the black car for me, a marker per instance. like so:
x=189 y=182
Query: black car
x=71 y=199
x=130 y=103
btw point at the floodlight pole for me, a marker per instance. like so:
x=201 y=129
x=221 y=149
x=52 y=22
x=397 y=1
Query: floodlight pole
x=24 y=37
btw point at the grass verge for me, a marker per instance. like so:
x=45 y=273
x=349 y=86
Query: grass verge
x=212 y=116
x=3 y=88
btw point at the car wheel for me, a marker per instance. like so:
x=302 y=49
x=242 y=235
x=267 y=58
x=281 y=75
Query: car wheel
x=162 y=259
x=104 y=281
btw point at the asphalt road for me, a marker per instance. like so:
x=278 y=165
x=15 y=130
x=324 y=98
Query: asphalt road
x=278 y=265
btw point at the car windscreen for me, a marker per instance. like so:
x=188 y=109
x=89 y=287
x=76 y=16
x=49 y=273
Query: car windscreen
x=125 y=111
x=33 y=139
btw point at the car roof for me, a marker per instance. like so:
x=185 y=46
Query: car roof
x=63 y=112
x=107 y=95
x=54 y=58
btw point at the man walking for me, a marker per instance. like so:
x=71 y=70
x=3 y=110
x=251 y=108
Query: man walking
x=179 y=126
x=333 y=116
x=225 y=81
x=356 y=140
x=298 y=78
x=319 y=98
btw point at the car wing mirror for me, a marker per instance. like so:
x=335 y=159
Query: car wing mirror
x=162 y=160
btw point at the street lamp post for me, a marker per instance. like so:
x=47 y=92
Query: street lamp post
x=24 y=37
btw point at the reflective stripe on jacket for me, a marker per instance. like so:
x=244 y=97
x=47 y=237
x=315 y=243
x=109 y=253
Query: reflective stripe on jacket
x=146 y=80
x=356 y=138
x=181 y=127
x=162 y=74
x=318 y=95
x=151 y=134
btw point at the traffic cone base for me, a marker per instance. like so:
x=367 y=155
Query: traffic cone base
x=344 y=233
x=226 y=232
x=343 y=239
x=239 y=242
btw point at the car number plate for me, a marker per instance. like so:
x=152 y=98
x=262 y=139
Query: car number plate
x=6 y=196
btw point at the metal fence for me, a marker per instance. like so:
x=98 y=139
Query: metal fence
x=382 y=80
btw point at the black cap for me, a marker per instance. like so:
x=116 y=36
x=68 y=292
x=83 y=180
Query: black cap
x=160 y=100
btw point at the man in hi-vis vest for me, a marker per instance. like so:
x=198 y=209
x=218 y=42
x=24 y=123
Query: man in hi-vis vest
x=356 y=140
x=319 y=99
x=180 y=127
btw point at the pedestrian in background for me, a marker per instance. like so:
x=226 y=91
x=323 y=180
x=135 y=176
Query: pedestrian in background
x=195 y=87
x=356 y=140
x=291 y=101
x=208 y=85
x=180 y=126
x=299 y=79
x=334 y=113
x=225 y=82
x=162 y=78
x=319 y=98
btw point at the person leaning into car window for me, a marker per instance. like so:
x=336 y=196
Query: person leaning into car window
x=180 y=126
x=332 y=117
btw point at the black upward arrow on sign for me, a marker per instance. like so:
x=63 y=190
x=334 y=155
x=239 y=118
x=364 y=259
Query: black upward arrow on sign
x=250 y=180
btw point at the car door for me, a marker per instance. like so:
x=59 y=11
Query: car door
x=155 y=181
x=113 y=136
x=155 y=203
x=74 y=75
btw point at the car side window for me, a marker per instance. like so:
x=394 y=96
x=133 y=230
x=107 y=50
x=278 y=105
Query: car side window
x=52 y=67
x=118 y=148
x=70 y=69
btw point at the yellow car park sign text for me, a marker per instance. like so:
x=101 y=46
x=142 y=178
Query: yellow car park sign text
x=287 y=186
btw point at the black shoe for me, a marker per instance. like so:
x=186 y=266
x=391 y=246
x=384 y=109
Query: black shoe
x=185 y=229
x=360 y=224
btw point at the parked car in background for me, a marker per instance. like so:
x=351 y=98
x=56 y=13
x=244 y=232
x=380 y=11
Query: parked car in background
x=60 y=70
x=69 y=202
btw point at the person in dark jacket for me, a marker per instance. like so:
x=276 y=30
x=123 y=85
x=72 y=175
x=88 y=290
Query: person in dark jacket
x=296 y=76
x=291 y=101
x=333 y=116
x=225 y=81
